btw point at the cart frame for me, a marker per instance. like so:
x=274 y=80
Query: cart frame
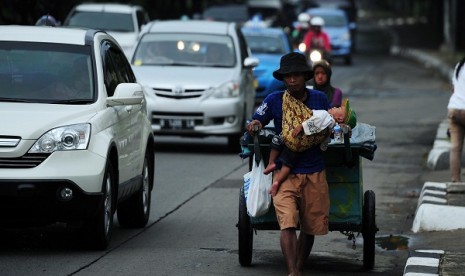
x=351 y=209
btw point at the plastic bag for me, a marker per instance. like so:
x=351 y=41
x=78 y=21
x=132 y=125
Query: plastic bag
x=363 y=133
x=258 y=198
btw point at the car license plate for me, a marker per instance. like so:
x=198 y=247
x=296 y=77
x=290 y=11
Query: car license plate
x=176 y=124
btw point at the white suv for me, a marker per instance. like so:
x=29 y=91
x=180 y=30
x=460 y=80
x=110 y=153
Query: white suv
x=122 y=21
x=75 y=142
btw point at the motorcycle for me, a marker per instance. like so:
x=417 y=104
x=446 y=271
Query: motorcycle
x=314 y=55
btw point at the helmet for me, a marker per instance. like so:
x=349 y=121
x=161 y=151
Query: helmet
x=47 y=20
x=317 y=21
x=303 y=19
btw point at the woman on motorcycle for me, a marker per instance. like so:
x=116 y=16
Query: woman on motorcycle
x=317 y=39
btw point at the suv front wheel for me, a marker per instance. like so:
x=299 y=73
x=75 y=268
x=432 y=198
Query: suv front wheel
x=135 y=212
x=99 y=228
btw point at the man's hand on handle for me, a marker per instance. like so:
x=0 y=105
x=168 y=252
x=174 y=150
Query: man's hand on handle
x=251 y=126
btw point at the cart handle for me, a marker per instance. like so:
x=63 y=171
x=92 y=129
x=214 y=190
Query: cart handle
x=256 y=145
x=349 y=160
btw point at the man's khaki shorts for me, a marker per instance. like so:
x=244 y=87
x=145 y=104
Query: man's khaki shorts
x=304 y=198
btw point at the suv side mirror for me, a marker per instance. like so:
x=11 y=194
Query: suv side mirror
x=250 y=62
x=126 y=94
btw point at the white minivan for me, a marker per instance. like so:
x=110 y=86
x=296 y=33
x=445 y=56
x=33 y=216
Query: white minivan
x=122 y=21
x=199 y=79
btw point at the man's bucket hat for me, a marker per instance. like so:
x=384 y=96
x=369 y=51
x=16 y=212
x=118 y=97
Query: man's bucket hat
x=293 y=63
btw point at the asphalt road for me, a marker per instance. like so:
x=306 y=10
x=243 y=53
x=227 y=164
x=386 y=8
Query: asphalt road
x=195 y=200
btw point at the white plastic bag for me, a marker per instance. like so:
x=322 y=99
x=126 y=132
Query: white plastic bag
x=258 y=198
x=363 y=133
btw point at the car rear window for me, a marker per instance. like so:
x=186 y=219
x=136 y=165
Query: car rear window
x=117 y=22
x=265 y=44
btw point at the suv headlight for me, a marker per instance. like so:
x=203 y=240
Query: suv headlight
x=72 y=137
x=227 y=90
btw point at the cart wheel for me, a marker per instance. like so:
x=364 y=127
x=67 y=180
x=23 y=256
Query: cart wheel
x=245 y=232
x=369 y=230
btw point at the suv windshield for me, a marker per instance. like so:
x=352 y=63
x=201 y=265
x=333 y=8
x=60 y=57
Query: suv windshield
x=44 y=72
x=117 y=22
x=185 y=49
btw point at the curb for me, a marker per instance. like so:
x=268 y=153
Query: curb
x=438 y=157
x=436 y=205
x=423 y=262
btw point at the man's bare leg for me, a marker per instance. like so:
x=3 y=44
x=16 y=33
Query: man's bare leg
x=304 y=247
x=289 y=248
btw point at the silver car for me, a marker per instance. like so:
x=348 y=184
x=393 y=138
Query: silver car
x=199 y=78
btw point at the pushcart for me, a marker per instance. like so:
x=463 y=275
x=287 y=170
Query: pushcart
x=352 y=211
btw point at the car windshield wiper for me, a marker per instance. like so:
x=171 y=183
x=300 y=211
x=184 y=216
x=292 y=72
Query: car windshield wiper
x=73 y=101
x=185 y=64
x=218 y=65
x=2 y=99
x=119 y=30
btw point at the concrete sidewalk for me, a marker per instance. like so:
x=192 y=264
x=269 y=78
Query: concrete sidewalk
x=436 y=198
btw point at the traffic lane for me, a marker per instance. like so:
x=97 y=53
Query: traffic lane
x=385 y=96
x=266 y=244
x=55 y=259
x=200 y=238
x=178 y=177
x=205 y=233
x=186 y=166
x=369 y=84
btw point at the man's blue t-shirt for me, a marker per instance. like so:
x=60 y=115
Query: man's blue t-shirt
x=311 y=160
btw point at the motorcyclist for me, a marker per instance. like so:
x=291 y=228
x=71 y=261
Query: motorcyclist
x=317 y=39
x=302 y=27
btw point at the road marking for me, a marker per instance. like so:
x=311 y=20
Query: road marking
x=423 y=263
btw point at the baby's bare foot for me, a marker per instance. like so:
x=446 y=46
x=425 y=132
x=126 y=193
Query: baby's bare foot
x=269 y=168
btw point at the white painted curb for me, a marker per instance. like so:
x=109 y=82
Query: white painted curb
x=423 y=263
x=433 y=212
